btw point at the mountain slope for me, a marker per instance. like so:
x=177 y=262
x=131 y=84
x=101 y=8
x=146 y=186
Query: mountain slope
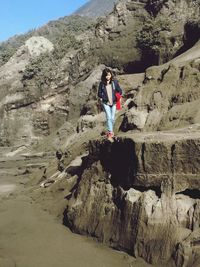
x=96 y=8
x=53 y=31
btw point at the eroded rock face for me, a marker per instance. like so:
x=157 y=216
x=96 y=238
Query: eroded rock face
x=182 y=9
x=121 y=28
x=141 y=196
x=141 y=193
x=31 y=110
x=167 y=98
x=17 y=106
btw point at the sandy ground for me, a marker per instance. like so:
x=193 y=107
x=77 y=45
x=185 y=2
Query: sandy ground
x=32 y=237
x=31 y=232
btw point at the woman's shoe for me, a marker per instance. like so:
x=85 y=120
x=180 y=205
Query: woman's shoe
x=110 y=136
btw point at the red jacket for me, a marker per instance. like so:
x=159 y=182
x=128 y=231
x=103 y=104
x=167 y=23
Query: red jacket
x=118 y=102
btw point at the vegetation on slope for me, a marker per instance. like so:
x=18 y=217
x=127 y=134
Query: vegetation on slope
x=154 y=38
x=53 y=31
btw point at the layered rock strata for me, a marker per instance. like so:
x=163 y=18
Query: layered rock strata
x=141 y=194
x=167 y=97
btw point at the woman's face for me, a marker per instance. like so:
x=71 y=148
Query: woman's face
x=108 y=76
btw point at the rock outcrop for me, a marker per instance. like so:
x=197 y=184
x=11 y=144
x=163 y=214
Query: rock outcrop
x=119 y=31
x=141 y=193
x=32 y=48
x=129 y=200
x=17 y=105
x=168 y=97
x=32 y=109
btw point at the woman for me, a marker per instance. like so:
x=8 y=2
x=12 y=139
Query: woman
x=108 y=88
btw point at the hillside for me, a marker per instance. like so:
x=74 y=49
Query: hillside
x=53 y=31
x=143 y=32
x=76 y=23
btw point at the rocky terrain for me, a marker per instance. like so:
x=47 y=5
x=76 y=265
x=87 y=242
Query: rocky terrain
x=139 y=194
x=118 y=192
x=124 y=196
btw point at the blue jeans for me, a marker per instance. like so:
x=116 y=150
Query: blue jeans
x=110 y=116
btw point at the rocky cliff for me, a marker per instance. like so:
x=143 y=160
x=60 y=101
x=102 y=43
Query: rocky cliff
x=17 y=105
x=168 y=97
x=146 y=32
x=38 y=91
x=141 y=193
x=127 y=200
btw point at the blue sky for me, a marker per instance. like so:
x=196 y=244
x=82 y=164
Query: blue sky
x=20 y=16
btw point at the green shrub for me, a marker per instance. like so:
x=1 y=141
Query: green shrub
x=41 y=70
x=63 y=44
x=150 y=37
x=6 y=53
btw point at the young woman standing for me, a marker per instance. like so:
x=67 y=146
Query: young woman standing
x=108 y=88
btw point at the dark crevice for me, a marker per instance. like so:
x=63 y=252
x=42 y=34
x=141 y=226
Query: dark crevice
x=120 y=160
x=132 y=105
x=174 y=100
x=163 y=72
x=191 y=36
x=76 y=170
x=135 y=66
x=126 y=126
x=118 y=197
x=181 y=73
x=143 y=157
x=193 y=193
x=67 y=222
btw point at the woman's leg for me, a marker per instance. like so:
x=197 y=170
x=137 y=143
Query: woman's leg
x=113 y=110
x=110 y=116
x=107 y=110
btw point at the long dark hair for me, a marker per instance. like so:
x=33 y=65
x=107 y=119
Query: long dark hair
x=104 y=74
